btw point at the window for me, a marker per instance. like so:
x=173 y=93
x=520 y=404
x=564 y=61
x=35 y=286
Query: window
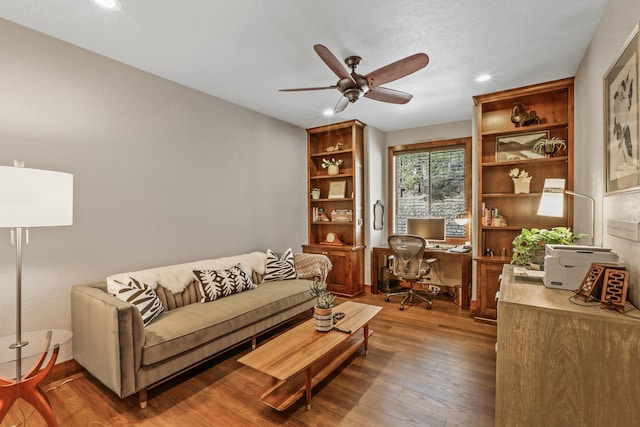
x=431 y=180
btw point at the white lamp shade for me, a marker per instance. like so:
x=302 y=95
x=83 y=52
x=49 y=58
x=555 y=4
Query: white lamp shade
x=462 y=218
x=35 y=198
x=552 y=200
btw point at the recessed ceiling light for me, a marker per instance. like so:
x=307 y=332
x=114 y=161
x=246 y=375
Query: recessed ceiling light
x=108 y=4
x=328 y=112
x=482 y=78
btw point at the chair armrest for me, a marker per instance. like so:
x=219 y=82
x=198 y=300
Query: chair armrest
x=108 y=335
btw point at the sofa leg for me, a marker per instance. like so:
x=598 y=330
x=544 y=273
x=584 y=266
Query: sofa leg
x=142 y=398
x=254 y=342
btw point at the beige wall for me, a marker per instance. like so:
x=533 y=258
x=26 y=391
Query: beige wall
x=163 y=174
x=617 y=24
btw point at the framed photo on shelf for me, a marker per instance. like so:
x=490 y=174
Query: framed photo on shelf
x=337 y=189
x=621 y=120
x=519 y=146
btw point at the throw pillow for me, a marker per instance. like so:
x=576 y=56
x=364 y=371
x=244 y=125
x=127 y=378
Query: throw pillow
x=138 y=294
x=216 y=284
x=282 y=268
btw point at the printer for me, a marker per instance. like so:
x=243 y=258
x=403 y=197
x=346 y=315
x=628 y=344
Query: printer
x=566 y=265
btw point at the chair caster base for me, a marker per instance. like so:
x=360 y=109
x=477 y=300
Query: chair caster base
x=386 y=299
x=402 y=307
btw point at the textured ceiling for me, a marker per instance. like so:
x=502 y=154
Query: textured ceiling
x=245 y=50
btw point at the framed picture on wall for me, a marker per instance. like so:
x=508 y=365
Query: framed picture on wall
x=622 y=171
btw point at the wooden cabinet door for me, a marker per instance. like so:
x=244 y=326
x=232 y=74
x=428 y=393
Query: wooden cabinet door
x=340 y=277
x=346 y=277
x=488 y=285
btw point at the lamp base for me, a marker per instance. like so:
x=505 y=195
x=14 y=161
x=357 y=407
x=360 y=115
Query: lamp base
x=28 y=387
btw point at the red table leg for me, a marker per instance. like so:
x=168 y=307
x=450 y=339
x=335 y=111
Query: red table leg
x=27 y=388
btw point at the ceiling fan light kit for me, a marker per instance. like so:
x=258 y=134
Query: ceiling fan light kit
x=353 y=86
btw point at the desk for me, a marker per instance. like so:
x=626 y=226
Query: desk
x=379 y=255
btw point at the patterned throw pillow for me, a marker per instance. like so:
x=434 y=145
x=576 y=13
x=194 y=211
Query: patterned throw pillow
x=216 y=284
x=138 y=294
x=282 y=268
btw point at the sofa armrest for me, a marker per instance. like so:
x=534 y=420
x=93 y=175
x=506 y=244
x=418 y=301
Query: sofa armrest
x=312 y=266
x=108 y=335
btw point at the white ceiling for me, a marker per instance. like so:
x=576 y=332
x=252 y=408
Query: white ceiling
x=243 y=51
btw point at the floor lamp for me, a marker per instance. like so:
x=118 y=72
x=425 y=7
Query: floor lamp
x=31 y=198
x=552 y=201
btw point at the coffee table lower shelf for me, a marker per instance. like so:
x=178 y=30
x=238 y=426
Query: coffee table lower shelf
x=282 y=394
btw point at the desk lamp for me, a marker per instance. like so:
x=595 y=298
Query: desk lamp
x=31 y=198
x=462 y=218
x=552 y=201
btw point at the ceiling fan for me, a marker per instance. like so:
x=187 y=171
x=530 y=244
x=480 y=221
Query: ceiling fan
x=353 y=85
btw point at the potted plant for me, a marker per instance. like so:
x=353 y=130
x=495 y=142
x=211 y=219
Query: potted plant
x=315 y=193
x=521 y=180
x=332 y=166
x=322 y=312
x=528 y=246
x=548 y=146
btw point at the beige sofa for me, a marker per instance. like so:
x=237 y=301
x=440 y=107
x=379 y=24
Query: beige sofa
x=111 y=342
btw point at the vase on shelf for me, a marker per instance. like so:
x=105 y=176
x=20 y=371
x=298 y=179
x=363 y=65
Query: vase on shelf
x=333 y=170
x=521 y=185
x=315 y=193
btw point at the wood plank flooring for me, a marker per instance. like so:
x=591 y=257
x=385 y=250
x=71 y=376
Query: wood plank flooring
x=424 y=368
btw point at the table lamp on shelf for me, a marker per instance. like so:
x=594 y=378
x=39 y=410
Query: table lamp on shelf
x=31 y=198
x=552 y=201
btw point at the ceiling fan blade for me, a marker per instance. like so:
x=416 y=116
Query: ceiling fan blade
x=388 y=95
x=395 y=70
x=341 y=105
x=308 y=88
x=332 y=62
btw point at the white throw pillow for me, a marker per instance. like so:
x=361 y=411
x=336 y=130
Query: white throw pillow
x=282 y=268
x=138 y=294
x=215 y=284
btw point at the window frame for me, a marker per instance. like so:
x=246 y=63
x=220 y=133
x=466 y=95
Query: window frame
x=392 y=151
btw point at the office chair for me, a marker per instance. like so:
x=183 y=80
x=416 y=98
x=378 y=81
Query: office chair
x=409 y=266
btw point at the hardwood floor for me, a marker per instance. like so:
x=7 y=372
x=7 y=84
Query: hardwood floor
x=424 y=368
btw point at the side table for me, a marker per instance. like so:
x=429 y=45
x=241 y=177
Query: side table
x=26 y=386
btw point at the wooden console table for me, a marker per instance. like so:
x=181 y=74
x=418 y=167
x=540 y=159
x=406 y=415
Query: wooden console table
x=463 y=259
x=562 y=362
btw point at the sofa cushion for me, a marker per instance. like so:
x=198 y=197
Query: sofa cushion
x=171 y=301
x=176 y=278
x=216 y=284
x=141 y=296
x=282 y=268
x=193 y=325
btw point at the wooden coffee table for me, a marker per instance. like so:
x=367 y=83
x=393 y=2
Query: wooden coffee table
x=301 y=357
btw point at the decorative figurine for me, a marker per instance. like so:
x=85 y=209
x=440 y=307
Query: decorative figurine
x=522 y=118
